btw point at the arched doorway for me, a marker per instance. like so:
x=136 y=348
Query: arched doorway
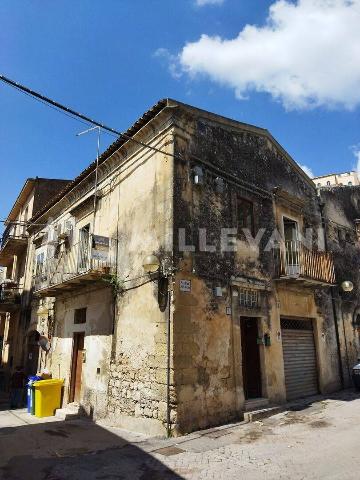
x=33 y=348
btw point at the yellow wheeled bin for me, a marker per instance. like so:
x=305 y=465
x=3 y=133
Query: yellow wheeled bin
x=47 y=396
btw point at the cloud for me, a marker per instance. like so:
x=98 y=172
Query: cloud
x=305 y=56
x=201 y=3
x=307 y=170
x=356 y=151
x=170 y=60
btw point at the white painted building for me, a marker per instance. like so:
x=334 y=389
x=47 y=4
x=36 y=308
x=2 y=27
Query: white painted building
x=337 y=179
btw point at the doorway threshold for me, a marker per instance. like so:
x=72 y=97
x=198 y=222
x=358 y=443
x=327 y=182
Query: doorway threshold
x=256 y=403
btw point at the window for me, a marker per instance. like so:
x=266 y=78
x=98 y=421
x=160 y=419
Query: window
x=319 y=184
x=248 y=298
x=291 y=230
x=350 y=184
x=79 y=315
x=39 y=263
x=245 y=215
x=328 y=183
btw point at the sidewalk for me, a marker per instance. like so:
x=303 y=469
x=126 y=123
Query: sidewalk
x=314 y=438
x=20 y=417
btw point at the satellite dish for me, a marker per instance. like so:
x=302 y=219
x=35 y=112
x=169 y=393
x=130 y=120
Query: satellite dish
x=44 y=343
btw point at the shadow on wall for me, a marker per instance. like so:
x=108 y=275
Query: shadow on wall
x=75 y=450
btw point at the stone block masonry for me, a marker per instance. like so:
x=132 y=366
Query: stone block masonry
x=141 y=392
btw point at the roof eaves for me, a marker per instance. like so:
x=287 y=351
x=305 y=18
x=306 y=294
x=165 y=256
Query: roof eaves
x=24 y=192
x=145 y=118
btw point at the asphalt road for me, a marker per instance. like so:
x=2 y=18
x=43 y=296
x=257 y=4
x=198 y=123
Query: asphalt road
x=312 y=441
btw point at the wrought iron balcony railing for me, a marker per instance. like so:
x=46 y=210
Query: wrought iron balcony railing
x=295 y=260
x=77 y=264
x=13 y=232
x=13 y=242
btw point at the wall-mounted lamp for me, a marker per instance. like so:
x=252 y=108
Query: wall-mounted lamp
x=151 y=264
x=347 y=286
x=219 y=185
x=220 y=291
x=198 y=175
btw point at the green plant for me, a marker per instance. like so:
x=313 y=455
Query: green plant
x=117 y=285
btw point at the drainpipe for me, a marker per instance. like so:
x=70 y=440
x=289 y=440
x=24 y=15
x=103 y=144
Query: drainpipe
x=333 y=301
x=168 y=358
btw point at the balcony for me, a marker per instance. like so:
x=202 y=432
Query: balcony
x=76 y=266
x=13 y=242
x=296 y=262
x=10 y=297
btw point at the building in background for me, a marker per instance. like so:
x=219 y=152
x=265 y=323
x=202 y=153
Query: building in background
x=337 y=179
x=16 y=256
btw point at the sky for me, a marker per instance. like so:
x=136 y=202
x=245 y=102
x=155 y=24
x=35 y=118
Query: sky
x=291 y=66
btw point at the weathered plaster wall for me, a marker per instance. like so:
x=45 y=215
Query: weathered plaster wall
x=203 y=357
x=137 y=389
x=315 y=305
x=98 y=335
x=341 y=209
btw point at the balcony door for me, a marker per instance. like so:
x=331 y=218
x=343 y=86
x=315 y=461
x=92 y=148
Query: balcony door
x=84 y=249
x=292 y=252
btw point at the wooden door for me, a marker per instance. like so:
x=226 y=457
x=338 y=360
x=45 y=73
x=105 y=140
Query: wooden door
x=250 y=358
x=32 y=360
x=76 y=367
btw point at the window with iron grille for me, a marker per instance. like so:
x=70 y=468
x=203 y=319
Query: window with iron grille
x=293 y=324
x=80 y=315
x=248 y=298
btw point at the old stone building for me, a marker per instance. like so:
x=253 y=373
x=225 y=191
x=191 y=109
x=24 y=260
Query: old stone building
x=185 y=277
x=16 y=282
x=278 y=342
x=341 y=207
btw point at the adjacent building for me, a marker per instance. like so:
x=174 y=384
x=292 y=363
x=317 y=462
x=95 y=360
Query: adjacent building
x=338 y=179
x=16 y=256
x=189 y=276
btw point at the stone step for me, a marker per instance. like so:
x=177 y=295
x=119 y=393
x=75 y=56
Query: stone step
x=256 y=404
x=256 y=415
x=69 y=412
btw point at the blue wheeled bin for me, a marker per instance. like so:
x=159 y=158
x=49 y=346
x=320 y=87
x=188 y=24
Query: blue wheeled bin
x=30 y=393
x=356 y=375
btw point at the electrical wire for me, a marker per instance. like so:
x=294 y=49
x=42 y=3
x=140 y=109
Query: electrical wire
x=73 y=117
x=70 y=111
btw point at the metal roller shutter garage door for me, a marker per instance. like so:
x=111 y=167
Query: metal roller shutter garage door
x=301 y=377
